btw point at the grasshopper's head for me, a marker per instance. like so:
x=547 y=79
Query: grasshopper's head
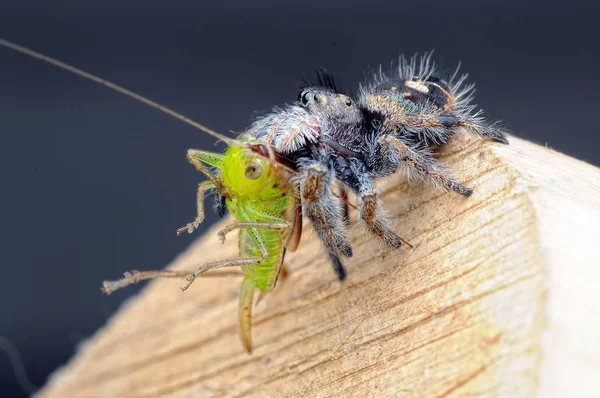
x=247 y=170
x=250 y=173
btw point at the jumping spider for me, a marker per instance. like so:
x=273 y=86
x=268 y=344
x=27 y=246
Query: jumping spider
x=392 y=124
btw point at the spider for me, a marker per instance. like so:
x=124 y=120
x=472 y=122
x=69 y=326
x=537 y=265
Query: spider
x=394 y=122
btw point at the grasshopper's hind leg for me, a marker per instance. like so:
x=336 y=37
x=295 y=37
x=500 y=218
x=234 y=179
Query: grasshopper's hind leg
x=240 y=262
x=134 y=276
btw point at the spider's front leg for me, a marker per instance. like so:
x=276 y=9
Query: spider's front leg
x=352 y=173
x=323 y=209
x=422 y=164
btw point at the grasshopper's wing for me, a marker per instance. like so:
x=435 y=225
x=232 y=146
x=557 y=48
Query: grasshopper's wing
x=291 y=237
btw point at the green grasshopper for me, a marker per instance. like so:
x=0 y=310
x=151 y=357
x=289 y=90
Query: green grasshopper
x=259 y=194
x=258 y=190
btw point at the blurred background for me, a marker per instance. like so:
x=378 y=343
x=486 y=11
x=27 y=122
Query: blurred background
x=94 y=183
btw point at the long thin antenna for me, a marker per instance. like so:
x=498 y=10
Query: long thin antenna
x=115 y=87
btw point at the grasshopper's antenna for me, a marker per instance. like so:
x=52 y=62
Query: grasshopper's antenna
x=115 y=87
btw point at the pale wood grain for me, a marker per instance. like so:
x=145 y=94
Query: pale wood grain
x=499 y=297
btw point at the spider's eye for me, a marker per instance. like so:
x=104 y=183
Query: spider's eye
x=348 y=102
x=317 y=98
x=254 y=171
x=304 y=97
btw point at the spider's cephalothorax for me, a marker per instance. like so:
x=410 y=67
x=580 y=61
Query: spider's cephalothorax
x=394 y=122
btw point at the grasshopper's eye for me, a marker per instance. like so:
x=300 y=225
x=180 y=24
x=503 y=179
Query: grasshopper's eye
x=254 y=171
x=348 y=102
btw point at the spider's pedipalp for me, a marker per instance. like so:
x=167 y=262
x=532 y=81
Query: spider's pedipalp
x=288 y=129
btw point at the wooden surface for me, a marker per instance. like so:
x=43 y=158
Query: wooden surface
x=498 y=297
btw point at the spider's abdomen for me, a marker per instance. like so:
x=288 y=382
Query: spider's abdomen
x=422 y=109
x=394 y=99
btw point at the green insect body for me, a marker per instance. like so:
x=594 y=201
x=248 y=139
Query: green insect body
x=261 y=197
x=258 y=193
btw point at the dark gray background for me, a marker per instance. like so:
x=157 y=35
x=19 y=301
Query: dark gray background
x=94 y=183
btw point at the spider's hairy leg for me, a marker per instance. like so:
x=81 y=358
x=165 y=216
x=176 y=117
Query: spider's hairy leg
x=449 y=120
x=475 y=126
x=190 y=227
x=323 y=209
x=345 y=206
x=370 y=211
x=338 y=267
x=420 y=163
x=343 y=171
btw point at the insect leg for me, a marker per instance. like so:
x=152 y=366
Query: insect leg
x=220 y=205
x=238 y=225
x=345 y=206
x=338 y=267
x=134 y=276
x=197 y=156
x=323 y=209
x=190 y=227
x=474 y=124
x=353 y=175
x=240 y=262
x=343 y=171
x=421 y=163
